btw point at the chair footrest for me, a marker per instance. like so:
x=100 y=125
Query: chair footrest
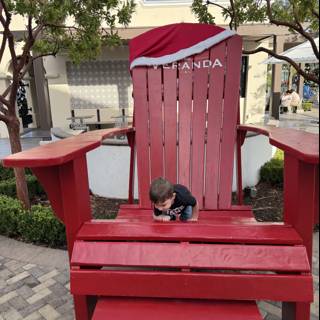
x=171 y=309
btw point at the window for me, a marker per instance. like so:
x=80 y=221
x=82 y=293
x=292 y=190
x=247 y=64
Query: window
x=244 y=76
x=99 y=84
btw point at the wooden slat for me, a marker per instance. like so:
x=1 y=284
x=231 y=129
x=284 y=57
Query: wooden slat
x=215 y=107
x=200 y=93
x=185 y=108
x=231 y=103
x=177 y=231
x=62 y=151
x=139 y=77
x=170 y=123
x=156 y=123
x=189 y=285
x=211 y=217
x=160 y=309
x=186 y=255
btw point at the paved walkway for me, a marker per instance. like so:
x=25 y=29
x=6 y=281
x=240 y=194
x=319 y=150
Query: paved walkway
x=34 y=283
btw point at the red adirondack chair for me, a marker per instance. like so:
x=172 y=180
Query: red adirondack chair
x=186 y=129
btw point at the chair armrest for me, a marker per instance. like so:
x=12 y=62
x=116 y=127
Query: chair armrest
x=300 y=144
x=62 y=151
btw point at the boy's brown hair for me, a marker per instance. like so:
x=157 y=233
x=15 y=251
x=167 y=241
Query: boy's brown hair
x=160 y=190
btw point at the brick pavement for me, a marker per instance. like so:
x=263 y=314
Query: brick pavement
x=32 y=290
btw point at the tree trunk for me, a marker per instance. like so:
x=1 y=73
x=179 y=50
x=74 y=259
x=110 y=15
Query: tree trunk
x=15 y=143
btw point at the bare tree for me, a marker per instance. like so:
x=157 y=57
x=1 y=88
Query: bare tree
x=48 y=32
x=299 y=16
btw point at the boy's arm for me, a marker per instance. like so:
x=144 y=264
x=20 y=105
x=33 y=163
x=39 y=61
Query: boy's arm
x=195 y=213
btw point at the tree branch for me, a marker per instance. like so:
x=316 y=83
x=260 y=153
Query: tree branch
x=4 y=119
x=5 y=9
x=6 y=92
x=304 y=74
x=3 y=110
x=30 y=26
x=294 y=27
x=315 y=13
x=3 y=46
x=3 y=100
x=231 y=14
x=234 y=15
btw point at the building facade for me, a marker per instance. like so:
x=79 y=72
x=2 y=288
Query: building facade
x=56 y=89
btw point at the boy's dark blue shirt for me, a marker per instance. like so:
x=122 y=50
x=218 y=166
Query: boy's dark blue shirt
x=183 y=199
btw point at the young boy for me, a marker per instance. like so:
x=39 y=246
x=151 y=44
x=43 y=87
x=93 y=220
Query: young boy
x=172 y=201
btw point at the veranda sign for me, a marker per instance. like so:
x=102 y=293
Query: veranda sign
x=189 y=65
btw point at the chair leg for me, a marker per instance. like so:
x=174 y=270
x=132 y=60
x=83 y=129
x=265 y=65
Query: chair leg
x=81 y=307
x=295 y=311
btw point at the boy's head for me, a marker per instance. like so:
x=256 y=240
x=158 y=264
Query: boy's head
x=161 y=193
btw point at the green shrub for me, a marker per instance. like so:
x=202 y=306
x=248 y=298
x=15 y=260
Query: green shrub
x=38 y=225
x=307 y=106
x=272 y=171
x=8 y=187
x=7 y=173
x=10 y=213
x=41 y=226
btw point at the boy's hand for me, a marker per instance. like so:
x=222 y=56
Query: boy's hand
x=163 y=218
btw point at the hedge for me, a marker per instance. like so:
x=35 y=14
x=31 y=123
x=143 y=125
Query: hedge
x=8 y=184
x=7 y=173
x=38 y=225
x=272 y=171
x=8 y=187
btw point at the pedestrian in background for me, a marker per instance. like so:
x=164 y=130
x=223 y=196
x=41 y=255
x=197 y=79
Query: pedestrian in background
x=295 y=101
x=285 y=102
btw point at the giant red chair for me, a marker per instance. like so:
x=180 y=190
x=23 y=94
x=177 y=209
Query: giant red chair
x=186 y=99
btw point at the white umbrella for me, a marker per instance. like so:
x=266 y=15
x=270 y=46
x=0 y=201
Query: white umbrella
x=302 y=53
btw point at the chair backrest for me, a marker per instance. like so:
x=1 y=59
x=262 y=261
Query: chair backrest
x=185 y=115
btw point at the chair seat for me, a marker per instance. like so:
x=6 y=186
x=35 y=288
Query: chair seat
x=215 y=230
x=160 y=309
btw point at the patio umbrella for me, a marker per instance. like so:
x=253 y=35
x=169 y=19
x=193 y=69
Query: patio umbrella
x=302 y=53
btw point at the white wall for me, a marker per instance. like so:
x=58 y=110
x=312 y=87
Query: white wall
x=108 y=167
x=254 y=104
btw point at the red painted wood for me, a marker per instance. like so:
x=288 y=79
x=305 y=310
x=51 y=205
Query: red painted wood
x=189 y=285
x=156 y=123
x=233 y=208
x=75 y=197
x=50 y=180
x=131 y=142
x=300 y=144
x=215 y=103
x=160 y=309
x=62 y=151
x=229 y=122
x=299 y=196
x=316 y=200
x=258 y=234
x=185 y=112
x=200 y=94
x=239 y=164
x=185 y=255
x=296 y=311
x=139 y=79
x=170 y=123
x=211 y=217
x=81 y=307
